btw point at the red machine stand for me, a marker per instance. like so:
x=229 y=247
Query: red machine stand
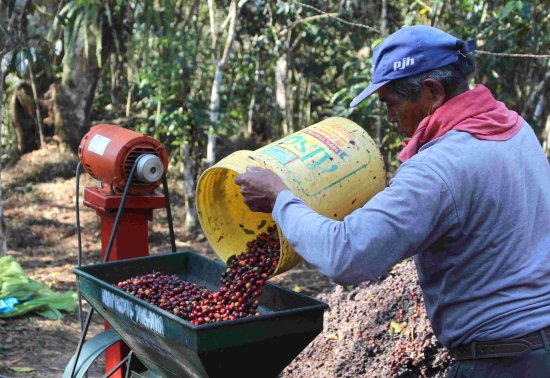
x=131 y=240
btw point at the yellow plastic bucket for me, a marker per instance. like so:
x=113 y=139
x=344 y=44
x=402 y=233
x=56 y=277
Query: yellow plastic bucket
x=334 y=166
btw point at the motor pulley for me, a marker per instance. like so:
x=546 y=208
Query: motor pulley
x=108 y=153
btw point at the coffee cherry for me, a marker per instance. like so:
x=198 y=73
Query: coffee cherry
x=240 y=283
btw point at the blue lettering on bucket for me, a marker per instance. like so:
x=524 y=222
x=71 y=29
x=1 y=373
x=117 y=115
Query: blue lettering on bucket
x=318 y=157
x=317 y=163
x=282 y=155
x=297 y=142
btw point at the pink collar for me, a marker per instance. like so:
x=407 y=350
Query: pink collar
x=475 y=111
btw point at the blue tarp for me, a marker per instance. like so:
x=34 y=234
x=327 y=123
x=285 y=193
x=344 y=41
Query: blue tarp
x=7 y=304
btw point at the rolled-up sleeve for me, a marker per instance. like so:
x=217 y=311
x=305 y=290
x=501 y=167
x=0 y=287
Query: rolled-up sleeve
x=403 y=219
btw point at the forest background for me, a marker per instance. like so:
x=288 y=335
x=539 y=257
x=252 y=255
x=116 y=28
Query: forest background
x=208 y=77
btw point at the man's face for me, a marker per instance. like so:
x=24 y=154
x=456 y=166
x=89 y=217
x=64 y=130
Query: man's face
x=407 y=114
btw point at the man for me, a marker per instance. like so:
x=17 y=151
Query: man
x=470 y=203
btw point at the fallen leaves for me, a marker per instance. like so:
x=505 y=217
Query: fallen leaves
x=397 y=327
x=22 y=369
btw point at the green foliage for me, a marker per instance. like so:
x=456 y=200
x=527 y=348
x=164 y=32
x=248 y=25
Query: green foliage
x=166 y=61
x=503 y=27
x=85 y=23
x=329 y=62
x=161 y=61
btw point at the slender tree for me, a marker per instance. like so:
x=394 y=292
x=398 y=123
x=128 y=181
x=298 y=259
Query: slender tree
x=3 y=228
x=3 y=242
x=220 y=65
x=8 y=39
x=91 y=31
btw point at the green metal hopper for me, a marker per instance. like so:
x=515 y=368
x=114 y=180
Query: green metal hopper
x=169 y=346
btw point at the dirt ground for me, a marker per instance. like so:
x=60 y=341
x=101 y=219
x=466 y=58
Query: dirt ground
x=372 y=330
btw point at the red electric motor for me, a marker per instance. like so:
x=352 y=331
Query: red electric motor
x=108 y=153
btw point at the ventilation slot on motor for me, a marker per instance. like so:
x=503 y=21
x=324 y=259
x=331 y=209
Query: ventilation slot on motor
x=132 y=157
x=89 y=170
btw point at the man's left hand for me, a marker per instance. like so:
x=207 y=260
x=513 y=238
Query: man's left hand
x=260 y=187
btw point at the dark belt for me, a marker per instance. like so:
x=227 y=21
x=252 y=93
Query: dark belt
x=503 y=348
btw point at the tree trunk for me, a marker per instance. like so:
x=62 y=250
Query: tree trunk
x=214 y=117
x=383 y=30
x=114 y=84
x=218 y=76
x=546 y=138
x=289 y=103
x=192 y=147
x=130 y=76
x=307 y=106
x=252 y=104
x=23 y=107
x=439 y=10
x=23 y=116
x=3 y=228
x=76 y=95
x=384 y=17
x=303 y=102
x=284 y=96
x=189 y=185
x=298 y=95
x=38 y=116
x=280 y=90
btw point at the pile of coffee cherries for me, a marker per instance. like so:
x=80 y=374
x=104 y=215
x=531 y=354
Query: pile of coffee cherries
x=240 y=286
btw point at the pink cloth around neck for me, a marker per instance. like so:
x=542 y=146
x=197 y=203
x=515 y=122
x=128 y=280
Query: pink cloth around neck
x=475 y=111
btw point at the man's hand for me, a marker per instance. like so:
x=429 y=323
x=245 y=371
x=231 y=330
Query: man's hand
x=260 y=188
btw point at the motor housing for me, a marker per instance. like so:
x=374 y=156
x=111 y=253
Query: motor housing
x=108 y=153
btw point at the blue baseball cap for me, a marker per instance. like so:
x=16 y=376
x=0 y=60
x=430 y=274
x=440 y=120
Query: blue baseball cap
x=410 y=51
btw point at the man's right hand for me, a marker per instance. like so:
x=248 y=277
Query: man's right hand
x=260 y=187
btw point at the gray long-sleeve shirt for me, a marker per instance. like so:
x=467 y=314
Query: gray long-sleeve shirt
x=475 y=214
